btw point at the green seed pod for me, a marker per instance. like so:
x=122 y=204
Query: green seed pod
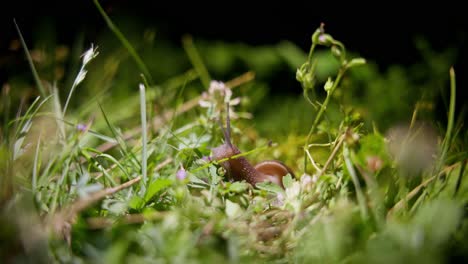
x=356 y=62
x=328 y=85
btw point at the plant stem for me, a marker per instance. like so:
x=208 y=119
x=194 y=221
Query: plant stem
x=451 y=118
x=323 y=107
x=333 y=154
x=74 y=85
x=311 y=52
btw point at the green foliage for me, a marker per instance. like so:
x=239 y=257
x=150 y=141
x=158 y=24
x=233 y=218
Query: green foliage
x=72 y=189
x=155 y=187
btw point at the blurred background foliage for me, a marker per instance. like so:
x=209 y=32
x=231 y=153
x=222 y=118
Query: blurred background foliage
x=383 y=96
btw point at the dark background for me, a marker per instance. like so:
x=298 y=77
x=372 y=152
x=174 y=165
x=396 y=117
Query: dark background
x=382 y=32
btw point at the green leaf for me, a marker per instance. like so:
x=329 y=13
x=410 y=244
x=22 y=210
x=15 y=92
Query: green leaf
x=115 y=207
x=195 y=180
x=287 y=181
x=232 y=209
x=238 y=187
x=136 y=203
x=156 y=186
x=269 y=187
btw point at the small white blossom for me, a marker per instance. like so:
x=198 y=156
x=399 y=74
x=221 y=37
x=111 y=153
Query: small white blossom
x=204 y=101
x=217 y=86
x=218 y=96
x=279 y=201
x=293 y=197
x=293 y=191
x=90 y=54
x=306 y=179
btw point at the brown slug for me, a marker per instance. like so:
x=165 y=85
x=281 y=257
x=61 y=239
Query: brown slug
x=240 y=168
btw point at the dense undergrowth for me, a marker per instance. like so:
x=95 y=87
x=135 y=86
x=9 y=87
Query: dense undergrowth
x=118 y=170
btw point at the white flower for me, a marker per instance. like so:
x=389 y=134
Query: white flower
x=217 y=86
x=293 y=191
x=218 y=96
x=279 y=201
x=306 y=179
x=90 y=54
x=204 y=101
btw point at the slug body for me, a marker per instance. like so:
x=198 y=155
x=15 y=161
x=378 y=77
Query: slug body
x=240 y=168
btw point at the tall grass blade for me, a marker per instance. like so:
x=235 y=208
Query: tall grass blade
x=144 y=131
x=451 y=117
x=36 y=165
x=124 y=42
x=58 y=113
x=196 y=60
x=120 y=140
x=30 y=61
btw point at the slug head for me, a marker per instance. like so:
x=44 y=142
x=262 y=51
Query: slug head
x=240 y=169
x=227 y=150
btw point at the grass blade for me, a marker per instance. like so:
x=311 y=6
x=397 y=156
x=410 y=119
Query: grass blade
x=30 y=61
x=119 y=139
x=36 y=166
x=448 y=133
x=196 y=60
x=451 y=118
x=58 y=112
x=58 y=186
x=30 y=113
x=460 y=177
x=25 y=124
x=144 y=131
x=357 y=185
x=5 y=109
x=115 y=161
x=124 y=42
